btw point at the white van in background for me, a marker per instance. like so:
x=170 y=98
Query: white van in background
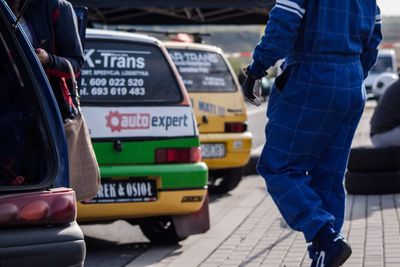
x=385 y=64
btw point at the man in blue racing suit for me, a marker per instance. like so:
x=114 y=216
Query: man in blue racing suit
x=313 y=110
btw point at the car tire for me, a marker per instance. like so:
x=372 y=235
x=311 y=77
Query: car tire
x=223 y=181
x=370 y=159
x=364 y=183
x=160 y=230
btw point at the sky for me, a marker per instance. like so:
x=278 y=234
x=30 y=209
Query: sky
x=389 y=7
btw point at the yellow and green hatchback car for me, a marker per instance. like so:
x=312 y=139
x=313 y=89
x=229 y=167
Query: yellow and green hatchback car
x=220 y=111
x=145 y=138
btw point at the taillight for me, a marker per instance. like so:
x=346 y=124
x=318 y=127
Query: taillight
x=34 y=211
x=235 y=127
x=45 y=207
x=178 y=155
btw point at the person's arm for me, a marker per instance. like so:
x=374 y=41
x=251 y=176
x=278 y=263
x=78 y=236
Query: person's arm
x=68 y=43
x=370 y=50
x=279 y=37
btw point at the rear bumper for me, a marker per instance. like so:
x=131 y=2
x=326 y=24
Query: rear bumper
x=238 y=149
x=59 y=246
x=181 y=189
x=177 y=202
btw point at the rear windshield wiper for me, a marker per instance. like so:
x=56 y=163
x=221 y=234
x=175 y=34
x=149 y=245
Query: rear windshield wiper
x=21 y=13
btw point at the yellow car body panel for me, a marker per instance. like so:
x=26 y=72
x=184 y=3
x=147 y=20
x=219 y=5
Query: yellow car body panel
x=238 y=147
x=168 y=203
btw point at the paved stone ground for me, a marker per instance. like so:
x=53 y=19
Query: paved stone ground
x=250 y=232
x=263 y=239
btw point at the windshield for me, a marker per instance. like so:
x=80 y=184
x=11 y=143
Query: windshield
x=203 y=71
x=118 y=72
x=383 y=64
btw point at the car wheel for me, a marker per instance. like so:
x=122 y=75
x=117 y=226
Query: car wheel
x=370 y=159
x=365 y=183
x=160 y=230
x=223 y=181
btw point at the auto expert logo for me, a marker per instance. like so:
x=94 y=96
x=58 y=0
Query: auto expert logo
x=132 y=121
x=127 y=121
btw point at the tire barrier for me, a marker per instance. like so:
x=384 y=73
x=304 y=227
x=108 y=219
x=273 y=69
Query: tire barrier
x=373 y=171
x=369 y=183
x=369 y=159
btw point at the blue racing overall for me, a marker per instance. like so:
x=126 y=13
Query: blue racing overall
x=315 y=105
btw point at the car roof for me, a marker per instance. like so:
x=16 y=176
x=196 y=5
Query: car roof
x=196 y=46
x=120 y=35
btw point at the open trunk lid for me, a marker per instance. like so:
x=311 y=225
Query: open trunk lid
x=32 y=141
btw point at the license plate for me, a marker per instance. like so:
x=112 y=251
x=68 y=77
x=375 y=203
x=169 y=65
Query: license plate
x=212 y=151
x=130 y=190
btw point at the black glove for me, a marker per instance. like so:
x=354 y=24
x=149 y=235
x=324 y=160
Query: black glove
x=248 y=87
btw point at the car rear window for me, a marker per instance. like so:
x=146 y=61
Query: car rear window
x=203 y=71
x=123 y=72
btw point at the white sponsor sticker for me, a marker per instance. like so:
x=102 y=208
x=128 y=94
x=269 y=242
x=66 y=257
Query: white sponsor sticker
x=108 y=122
